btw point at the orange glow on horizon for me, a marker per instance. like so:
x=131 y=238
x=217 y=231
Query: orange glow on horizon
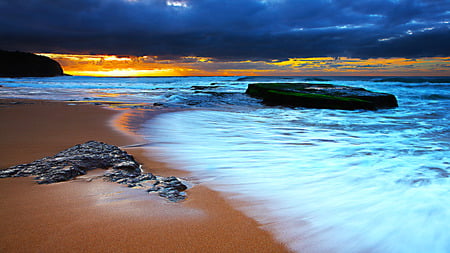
x=123 y=72
x=111 y=65
x=122 y=66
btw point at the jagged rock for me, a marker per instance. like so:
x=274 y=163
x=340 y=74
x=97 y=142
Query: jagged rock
x=73 y=162
x=77 y=160
x=173 y=182
x=20 y=64
x=126 y=165
x=322 y=96
x=171 y=194
x=170 y=187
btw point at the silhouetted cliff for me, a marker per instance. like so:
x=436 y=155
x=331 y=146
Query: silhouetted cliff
x=20 y=64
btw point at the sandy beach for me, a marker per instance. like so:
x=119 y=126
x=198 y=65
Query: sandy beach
x=96 y=216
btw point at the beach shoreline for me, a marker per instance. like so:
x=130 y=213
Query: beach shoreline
x=99 y=216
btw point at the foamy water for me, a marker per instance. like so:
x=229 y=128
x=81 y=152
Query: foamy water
x=320 y=180
x=327 y=180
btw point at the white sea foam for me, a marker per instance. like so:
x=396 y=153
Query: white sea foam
x=322 y=180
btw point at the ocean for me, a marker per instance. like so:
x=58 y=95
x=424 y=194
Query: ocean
x=320 y=180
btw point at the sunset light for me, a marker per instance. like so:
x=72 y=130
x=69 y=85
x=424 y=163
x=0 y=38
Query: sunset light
x=120 y=66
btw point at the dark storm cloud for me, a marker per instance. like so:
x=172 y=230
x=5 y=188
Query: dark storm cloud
x=231 y=29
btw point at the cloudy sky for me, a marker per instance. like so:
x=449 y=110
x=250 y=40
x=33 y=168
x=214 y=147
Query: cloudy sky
x=263 y=36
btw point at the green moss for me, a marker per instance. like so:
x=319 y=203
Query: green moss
x=318 y=96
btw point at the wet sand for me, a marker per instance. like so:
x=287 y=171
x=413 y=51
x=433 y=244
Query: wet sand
x=98 y=216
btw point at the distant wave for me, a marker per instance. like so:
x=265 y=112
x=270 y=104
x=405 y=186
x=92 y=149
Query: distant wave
x=264 y=78
x=436 y=97
x=317 y=79
x=415 y=79
x=419 y=80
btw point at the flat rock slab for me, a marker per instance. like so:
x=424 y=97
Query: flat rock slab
x=77 y=160
x=321 y=96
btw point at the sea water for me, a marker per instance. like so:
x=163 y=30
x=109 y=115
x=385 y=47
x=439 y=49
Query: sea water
x=320 y=180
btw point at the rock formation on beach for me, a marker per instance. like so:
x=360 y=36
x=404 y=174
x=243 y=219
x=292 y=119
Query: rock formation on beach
x=322 y=96
x=20 y=64
x=77 y=160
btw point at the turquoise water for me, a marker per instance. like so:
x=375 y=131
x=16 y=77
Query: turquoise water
x=320 y=180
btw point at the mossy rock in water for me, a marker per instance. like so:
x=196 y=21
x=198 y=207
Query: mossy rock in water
x=322 y=96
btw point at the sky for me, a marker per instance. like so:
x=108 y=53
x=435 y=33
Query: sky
x=233 y=37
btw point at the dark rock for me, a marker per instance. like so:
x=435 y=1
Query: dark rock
x=199 y=87
x=20 y=64
x=171 y=187
x=130 y=166
x=322 y=96
x=153 y=189
x=147 y=176
x=75 y=161
x=173 y=182
x=171 y=194
x=125 y=177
